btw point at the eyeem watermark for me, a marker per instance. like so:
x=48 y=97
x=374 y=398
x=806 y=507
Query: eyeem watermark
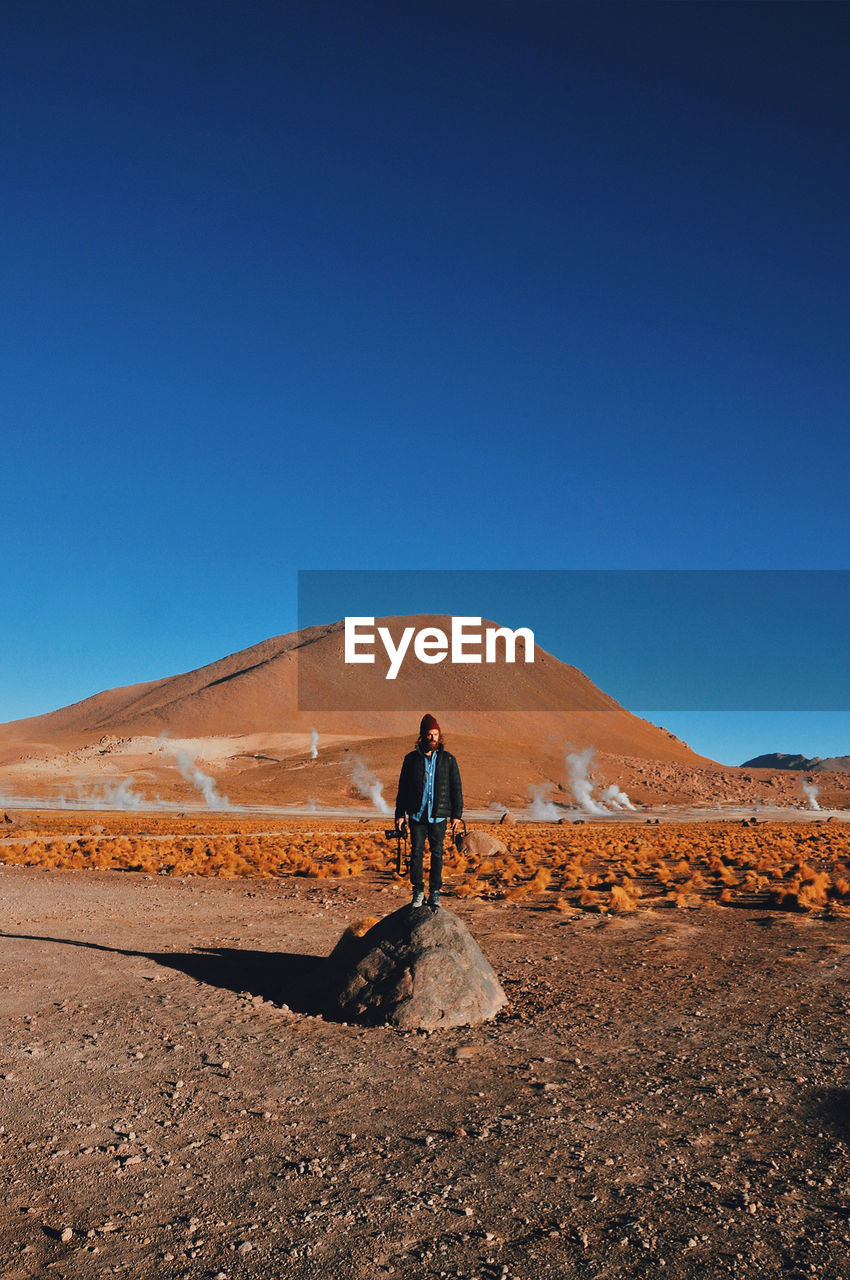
x=431 y=644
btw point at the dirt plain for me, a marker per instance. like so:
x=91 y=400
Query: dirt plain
x=666 y=1093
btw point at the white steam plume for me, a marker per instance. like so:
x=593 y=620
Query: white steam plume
x=541 y=808
x=581 y=785
x=122 y=795
x=811 y=791
x=115 y=795
x=368 y=785
x=617 y=798
x=202 y=781
x=314 y=743
x=496 y=810
x=190 y=771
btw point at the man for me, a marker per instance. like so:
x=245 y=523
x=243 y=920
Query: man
x=429 y=793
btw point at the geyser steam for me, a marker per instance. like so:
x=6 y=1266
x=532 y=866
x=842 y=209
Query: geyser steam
x=368 y=784
x=811 y=792
x=204 y=783
x=617 y=798
x=542 y=808
x=582 y=785
x=189 y=770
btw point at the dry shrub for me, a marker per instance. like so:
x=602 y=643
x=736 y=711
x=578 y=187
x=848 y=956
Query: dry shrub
x=357 y=928
x=694 y=861
x=683 y=901
x=813 y=893
x=540 y=882
x=621 y=900
x=573 y=878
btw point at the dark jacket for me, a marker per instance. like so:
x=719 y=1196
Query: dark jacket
x=448 y=796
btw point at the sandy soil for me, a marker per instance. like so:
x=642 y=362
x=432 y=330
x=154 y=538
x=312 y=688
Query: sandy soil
x=665 y=1095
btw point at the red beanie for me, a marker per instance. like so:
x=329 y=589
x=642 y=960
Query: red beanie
x=427 y=722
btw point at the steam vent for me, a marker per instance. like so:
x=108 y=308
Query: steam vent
x=416 y=969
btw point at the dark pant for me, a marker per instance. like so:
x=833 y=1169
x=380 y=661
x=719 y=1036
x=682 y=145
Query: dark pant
x=436 y=832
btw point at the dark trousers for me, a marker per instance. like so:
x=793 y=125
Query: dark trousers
x=436 y=833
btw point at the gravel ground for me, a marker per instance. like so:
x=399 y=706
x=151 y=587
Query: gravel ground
x=666 y=1093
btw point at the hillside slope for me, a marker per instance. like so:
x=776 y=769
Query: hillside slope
x=257 y=691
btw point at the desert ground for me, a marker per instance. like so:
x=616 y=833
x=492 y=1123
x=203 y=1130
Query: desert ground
x=666 y=1092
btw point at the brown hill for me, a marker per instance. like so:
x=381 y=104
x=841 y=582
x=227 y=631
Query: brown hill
x=238 y=725
x=805 y=764
x=834 y=764
x=547 y=703
x=781 y=760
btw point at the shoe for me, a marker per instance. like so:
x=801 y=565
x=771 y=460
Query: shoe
x=434 y=899
x=418 y=898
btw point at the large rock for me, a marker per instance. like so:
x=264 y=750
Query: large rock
x=480 y=844
x=416 y=968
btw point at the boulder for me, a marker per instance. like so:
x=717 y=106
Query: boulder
x=480 y=845
x=416 y=968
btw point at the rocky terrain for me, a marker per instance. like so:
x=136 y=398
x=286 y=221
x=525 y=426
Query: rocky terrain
x=666 y=1093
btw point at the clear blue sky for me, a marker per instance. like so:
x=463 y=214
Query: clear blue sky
x=403 y=285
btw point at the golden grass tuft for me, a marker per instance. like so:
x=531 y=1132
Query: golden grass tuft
x=540 y=881
x=357 y=928
x=621 y=901
x=683 y=901
x=792 y=864
x=517 y=893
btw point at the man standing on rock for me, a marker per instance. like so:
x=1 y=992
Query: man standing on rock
x=429 y=793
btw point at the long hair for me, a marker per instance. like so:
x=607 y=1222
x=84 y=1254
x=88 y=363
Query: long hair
x=421 y=741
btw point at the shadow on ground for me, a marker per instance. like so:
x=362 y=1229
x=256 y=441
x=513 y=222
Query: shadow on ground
x=302 y=982
x=832 y=1109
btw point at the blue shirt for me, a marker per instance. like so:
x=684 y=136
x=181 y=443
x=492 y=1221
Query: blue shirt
x=426 y=813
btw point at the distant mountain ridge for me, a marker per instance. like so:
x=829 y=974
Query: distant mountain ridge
x=780 y=760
